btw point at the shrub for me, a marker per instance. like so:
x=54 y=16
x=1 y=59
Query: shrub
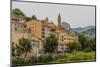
x=18 y=62
x=44 y=58
x=56 y=58
x=88 y=49
x=74 y=46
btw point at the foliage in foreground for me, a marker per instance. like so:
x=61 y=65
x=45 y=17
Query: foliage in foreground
x=87 y=42
x=56 y=58
x=24 y=46
x=74 y=46
x=50 y=44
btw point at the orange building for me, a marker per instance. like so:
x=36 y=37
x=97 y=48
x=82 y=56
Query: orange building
x=35 y=27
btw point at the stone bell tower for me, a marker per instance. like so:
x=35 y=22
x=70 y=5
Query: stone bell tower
x=59 y=21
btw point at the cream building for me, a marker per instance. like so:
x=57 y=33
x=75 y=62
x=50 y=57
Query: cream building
x=64 y=37
x=19 y=30
x=30 y=30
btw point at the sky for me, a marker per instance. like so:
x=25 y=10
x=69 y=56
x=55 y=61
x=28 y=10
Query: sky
x=75 y=15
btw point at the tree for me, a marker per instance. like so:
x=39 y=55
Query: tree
x=28 y=18
x=88 y=49
x=33 y=17
x=13 y=49
x=82 y=39
x=17 y=12
x=93 y=46
x=87 y=42
x=74 y=46
x=24 y=46
x=50 y=44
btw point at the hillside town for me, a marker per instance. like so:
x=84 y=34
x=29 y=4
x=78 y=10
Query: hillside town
x=37 y=30
x=41 y=41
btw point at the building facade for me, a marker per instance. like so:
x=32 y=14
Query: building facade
x=38 y=30
x=64 y=36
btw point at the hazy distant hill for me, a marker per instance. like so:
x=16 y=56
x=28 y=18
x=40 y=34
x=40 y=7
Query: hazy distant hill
x=88 y=30
x=65 y=25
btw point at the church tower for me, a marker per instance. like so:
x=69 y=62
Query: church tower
x=59 y=20
x=46 y=20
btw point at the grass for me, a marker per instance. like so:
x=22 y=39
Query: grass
x=77 y=57
x=82 y=56
x=57 y=58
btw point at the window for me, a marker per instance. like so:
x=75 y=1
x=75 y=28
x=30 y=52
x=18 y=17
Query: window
x=15 y=29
